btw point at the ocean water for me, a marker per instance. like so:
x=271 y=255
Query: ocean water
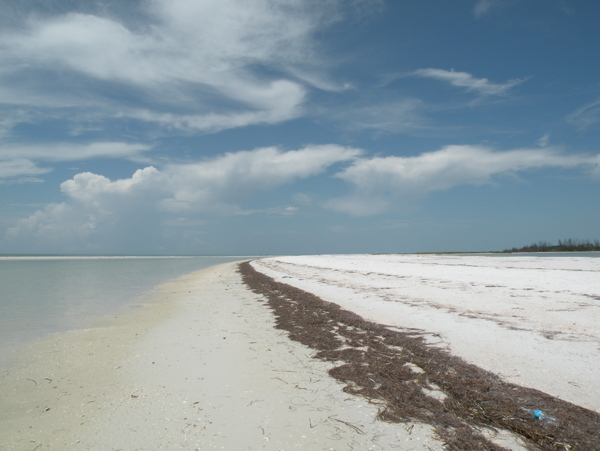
x=47 y=295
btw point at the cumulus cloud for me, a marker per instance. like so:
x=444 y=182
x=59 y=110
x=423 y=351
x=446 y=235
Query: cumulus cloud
x=89 y=187
x=57 y=223
x=480 y=86
x=175 y=200
x=380 y=181
x=204 y=65
x=98 y=208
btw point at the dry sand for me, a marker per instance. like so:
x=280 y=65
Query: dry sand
x=532 y=320
x=198 y=366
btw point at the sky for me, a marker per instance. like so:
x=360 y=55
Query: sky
x=238 y=127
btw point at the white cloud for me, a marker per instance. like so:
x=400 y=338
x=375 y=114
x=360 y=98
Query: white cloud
x=106 y=214
x=392 y=117
x=18 y=167
x=481 y=86
x=96 y=46
x=544 y=141
x=380 y=181
x=20 y=180
x=281 y=101
x=89 y=187
x=205 y=65
x=56 y=223
x=483 y=7
x=360 y=204
x=100 y=210
x=73 y=152
x=224 y=181
x=586 y=116
x=198 y=42
x=18 y=160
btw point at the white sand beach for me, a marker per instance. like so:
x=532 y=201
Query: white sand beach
x=199 y=366
x=535 y=321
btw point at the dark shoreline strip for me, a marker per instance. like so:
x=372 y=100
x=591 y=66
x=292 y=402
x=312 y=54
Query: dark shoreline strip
x=375 y=362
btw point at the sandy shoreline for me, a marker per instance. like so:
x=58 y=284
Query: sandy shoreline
x=200 y=367
x=203 y=366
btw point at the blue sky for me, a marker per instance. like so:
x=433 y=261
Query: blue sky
x=297 y=126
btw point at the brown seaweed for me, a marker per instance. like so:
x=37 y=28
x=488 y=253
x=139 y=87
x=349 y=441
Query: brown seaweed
x=414 y=381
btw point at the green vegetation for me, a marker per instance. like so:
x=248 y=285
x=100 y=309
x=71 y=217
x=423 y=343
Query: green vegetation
x=569 y=245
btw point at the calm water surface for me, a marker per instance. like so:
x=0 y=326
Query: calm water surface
x=42 y=296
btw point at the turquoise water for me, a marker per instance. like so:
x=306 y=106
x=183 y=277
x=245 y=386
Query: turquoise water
x=39 y=297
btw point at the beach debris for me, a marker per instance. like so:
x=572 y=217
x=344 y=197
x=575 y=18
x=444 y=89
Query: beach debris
x=541 y=416
x=350 y=425
x=378 y=364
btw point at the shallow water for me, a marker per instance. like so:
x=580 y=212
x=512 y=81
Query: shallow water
x=42 y=296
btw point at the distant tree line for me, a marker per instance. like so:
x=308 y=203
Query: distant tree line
x=568 y=245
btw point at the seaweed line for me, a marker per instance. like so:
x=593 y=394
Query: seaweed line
x=378 y=363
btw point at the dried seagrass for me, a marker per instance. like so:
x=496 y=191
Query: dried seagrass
x=417 y=382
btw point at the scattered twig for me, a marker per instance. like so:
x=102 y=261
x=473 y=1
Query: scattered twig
x=356 y=428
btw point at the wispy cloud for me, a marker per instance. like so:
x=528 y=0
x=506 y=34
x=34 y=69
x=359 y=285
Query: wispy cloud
x=73 y=152
x=19 y=167
x=379 y=182
x=586 y=116
x=483 y=7
x=221 y=183
x=17 y=160
x=480 y=86
x=196 y=65
x=280 y=101
x=403 y=115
